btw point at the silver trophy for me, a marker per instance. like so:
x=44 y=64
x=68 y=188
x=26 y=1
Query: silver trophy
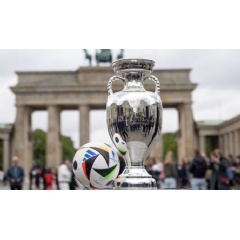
x=134 y=119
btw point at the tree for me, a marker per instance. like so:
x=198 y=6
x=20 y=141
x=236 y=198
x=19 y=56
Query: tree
x=68 y=148
x=170 y=143
x=39 y=146
x=40 y=143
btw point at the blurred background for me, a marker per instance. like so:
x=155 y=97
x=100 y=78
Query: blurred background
x=39 y=78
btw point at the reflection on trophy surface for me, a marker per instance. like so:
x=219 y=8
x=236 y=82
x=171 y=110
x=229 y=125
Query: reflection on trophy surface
x=135 y=115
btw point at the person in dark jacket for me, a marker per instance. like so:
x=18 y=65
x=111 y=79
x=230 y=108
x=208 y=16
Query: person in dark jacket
x=170 y=171
x=15 y=175
x=219 y=178
x=198 y=168
x=236 y=171
x=73 y=184
x=183 y=173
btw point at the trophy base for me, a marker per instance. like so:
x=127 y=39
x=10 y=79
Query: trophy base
x=135 y=178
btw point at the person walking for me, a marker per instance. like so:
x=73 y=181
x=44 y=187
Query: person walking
x=183 y=173
x=198 y=168
x=219 y=166
x=73 y=183
x=48 y=177
x=64 y=175
x=15 y=175
x=236 y=171
x=32 y=175
x=156 y=170
x=170 y=171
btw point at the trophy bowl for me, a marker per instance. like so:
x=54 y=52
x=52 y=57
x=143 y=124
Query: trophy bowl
x=134 y=119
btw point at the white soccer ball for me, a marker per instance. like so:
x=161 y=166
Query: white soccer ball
x=121 y=146
x=96 y=165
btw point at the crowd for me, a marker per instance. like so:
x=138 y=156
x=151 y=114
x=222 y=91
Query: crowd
x=199 y=173
x=41 y=177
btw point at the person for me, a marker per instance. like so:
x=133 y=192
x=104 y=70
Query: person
x=208 y=171
x=198 y=168
x=43 y=171
x=231 y=161
x=170 y=171
x=73 y=183
x=236 y=171
x=183 y=172
x=161 y=175
x=56 y=179
x=219 y=165
x=15 y=175
x=32 y=175
x=156 y=170
x=48 y=177
x=148 y=165
x=64 y=175
x=1 y=175
x=38 y=175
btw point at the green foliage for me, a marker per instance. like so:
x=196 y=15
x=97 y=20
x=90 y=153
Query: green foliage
x=39 y=147
x=170 y=143
x=68 y=148
x=40 y=143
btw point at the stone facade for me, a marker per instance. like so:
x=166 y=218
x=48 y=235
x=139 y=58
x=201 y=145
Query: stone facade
x=85 y=90
x=6 y=137
x=225 y=135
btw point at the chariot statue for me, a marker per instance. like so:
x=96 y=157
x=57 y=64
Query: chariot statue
x=88 y=56
x=102 y=56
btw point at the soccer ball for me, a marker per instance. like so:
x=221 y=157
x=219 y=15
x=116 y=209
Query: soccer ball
x=120 y=144
x=122 y=148
x=96 y=165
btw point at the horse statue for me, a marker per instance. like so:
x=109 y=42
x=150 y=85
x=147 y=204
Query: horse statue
x=120 y=55
x=104 y=56
x=88 y=56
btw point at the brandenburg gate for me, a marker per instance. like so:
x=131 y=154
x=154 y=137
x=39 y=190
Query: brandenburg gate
x=85 y=90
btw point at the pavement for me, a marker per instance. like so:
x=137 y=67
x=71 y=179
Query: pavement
x=26 y=186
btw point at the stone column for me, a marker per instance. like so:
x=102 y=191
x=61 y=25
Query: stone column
x=226 y=144
x=231 y=147
x=54 y=145
x=6 y=154
x=157 y=151
x=84 y=124
x=186 y=131
x=23 y=147
x=202 y=143
x=220 y=143
x=236 y=143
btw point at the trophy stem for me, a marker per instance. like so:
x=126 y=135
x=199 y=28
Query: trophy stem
x=135 y=178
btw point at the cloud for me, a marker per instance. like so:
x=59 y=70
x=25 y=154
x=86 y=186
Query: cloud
x=216 y=72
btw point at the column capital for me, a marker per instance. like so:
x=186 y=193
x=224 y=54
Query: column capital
x=54 y=106
x=84 y=106
x=6 y=138
x=184 y=105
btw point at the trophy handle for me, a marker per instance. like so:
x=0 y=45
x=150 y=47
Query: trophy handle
x=110 y=82
x=154 y=79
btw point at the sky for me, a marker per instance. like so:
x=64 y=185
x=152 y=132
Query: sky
x=217 y=73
